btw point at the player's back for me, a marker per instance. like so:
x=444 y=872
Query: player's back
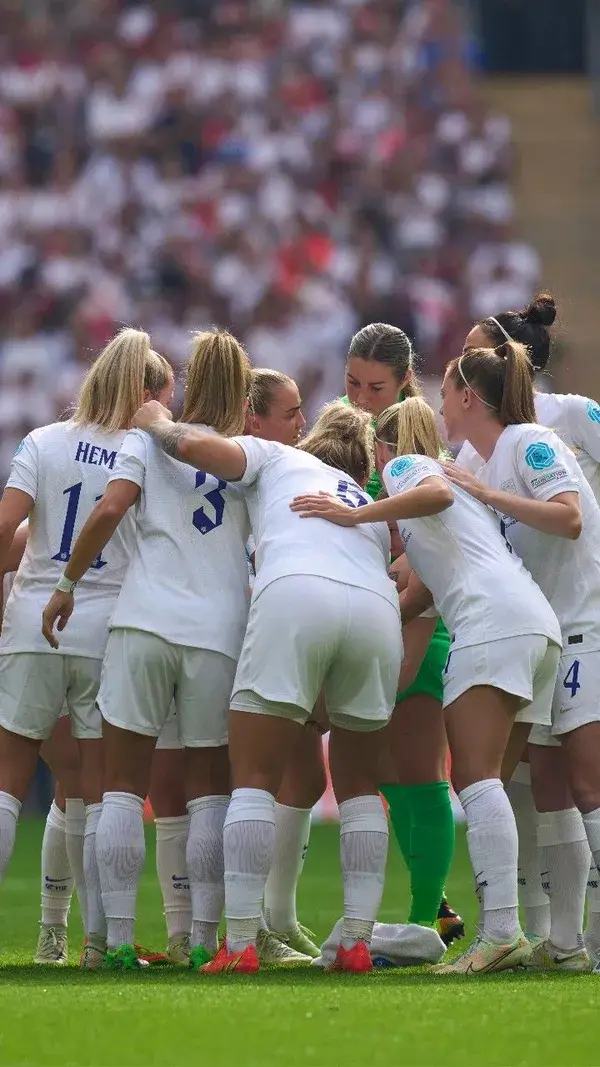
x=481 y=589
x=287 y=544
x=188 y=578
x=64 y=468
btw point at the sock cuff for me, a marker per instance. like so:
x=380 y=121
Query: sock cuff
x=56 y=817
x=203 y=803
x=363 y=813
x=92 y=818
x=560 y=827
x=75 y=817
x=522 y=774
x=280 y=809
x=479 y=789
x=591 y=822
x=172 y=825
x=10 y=803
x=124 y=800
x=251 y=805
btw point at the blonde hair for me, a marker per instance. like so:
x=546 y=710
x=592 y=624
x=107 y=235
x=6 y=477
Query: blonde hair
x=501 y=378
x=342 y=437
x=217 y=382
x=113 y=388
x=410 y=429
x=263 y=386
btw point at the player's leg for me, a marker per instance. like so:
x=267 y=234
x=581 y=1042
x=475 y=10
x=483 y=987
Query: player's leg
x=480 y=719
x=533 y=898
x=31 y=695
x=262 y=733
x=303 y=785
x=168 y=799
x=135 y=695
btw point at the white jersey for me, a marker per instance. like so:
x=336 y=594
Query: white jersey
x=480 y=589
x=188 y=577
x=287 y=544
x=531 y=461
x=575 y=419
x=64 y=469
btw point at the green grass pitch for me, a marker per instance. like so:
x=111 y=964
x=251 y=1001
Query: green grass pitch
x=64 y=1018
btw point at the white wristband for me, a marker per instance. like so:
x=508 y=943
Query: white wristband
x=65 y=585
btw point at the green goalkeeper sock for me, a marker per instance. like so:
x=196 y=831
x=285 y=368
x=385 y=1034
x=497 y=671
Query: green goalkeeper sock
x=423 y=823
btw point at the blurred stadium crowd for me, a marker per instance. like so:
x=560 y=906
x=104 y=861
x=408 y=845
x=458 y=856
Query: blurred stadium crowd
x=290 y=170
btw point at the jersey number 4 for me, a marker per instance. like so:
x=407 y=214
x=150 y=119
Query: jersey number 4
x=213 y=494
x=73 y=493
x=571 y=681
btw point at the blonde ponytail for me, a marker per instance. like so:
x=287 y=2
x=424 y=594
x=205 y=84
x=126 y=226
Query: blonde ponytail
x=342 y=437
x=217 y=383
x=409 y=428
x=113 y=388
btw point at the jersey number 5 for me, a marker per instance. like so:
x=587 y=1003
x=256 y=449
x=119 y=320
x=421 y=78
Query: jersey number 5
x=63 y=555
x=203 y=522
x=571 y=681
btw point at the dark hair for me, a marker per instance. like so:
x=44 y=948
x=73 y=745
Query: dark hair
x=500 y=378
x=529 y=327
x=263 y=386
x=389 y=345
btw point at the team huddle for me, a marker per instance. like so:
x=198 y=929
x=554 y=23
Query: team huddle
x=195 y=603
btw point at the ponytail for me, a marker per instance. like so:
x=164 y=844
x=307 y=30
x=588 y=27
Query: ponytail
x=501 y=378
x=113 y=388
x=217 y=383
x=342 y=437
x=409 y=428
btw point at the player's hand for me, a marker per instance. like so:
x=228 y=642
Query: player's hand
x=465 y=480
x=57 y=612
x=324 y=506
x=149 y=413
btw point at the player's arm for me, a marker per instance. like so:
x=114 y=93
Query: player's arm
x=430 y=497
x=13 y=559
x=119 y=496
x=414 y=599
x=15 y=506
x=205 y=451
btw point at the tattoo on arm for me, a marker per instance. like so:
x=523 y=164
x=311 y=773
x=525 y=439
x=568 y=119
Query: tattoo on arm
x=169 y=434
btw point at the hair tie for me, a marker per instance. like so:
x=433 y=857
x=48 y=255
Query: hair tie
x=504 y=332
x=480 y=398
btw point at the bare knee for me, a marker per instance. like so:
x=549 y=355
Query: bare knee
x=304 y=780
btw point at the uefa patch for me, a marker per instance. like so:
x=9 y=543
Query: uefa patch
x=400 y=465
x=539 y=456
x=593 y=410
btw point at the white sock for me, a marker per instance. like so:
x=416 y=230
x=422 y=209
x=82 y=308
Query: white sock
x=363 y=855
x=9 y=814
x=292 y=830
x=94 y=911
x=493 y=848
x=57 y=883
x=592 y=930
x=534 y=902
x=248 y=845
x=566 y=858
x=74 y=837
x=591 y=821
x=171 y=843
x=205 y=866
x=121 y=850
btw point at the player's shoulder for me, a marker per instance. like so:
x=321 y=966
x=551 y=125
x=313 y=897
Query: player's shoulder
x=407 y=466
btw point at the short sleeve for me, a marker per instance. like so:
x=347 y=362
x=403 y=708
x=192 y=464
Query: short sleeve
x=132 y=459
x=584 y=425
x=24 y=468
x=469 y=459
x=258 y=453
x=406 y=472
x=546 y=465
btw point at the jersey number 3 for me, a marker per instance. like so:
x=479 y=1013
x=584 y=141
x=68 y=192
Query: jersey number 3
x=214 y=496
x=63 y=555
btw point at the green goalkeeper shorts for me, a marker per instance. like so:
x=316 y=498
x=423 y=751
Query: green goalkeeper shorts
x=429 y=679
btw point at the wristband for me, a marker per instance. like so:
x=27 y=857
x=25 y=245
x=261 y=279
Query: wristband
x=65 y=585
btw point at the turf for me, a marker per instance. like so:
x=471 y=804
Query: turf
x=67 y=1018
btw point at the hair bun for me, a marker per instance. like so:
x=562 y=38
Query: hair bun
x=541 y=311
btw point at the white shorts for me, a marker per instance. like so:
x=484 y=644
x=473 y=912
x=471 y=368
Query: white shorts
x=142 y=674
x=168 y=738
x=576 y=697
x=306 y=633
x=524 y=666
x=34 y=686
